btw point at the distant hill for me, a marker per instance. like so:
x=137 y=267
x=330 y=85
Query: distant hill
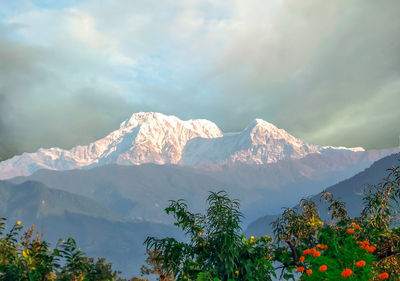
x=34 y=200
x=98 y=231
x=143 y=191
x=349 y=191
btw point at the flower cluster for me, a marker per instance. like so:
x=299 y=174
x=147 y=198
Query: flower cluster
x=383 y=276
x=251 y=240
x=366 y=246
x=315 y=254
x=360 y=263
x=347 y=272
x=312 y=252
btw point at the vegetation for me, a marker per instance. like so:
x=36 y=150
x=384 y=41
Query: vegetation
x=28 y=257
x=216 y=248
x=304 y=247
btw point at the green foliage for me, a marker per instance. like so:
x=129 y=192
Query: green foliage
x=216 y=250
x=29 y=258
x=359 y=248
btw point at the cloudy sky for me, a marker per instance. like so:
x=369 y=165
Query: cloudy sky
x=72 y=71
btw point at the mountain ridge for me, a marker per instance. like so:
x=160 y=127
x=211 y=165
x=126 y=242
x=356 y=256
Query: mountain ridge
x=141 y=191
x=151 y=137
x=349 y=191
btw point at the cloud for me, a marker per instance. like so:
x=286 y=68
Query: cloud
x=326 y=72
x=47 y=99
x=319 y=70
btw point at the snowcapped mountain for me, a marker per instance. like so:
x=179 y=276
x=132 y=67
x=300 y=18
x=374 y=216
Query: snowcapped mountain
x=149 y=137
x=260 y=143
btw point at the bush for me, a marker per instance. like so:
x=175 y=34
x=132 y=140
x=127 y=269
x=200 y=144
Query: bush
x=362 y=248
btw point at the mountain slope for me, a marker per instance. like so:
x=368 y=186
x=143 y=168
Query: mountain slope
x=59 y=214
x=142 y=192
x=156 y=138
x=350 y=191
x=37 y=201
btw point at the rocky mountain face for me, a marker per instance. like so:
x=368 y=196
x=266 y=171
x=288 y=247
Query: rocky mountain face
x=149 y=137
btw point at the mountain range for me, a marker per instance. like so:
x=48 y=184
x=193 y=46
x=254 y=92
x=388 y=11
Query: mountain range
x=149 y=137
x=141 y=192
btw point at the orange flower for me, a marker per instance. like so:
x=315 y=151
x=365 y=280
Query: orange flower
x=302 y=258
x=383 y=276
x=350 y=231
x=366 y=246
x=300 y=269
x=309 y=272
x=347 y=272
x=322 y=268
x=308 y=251
x=317 y=254
x=361 y=263
x=322 y=247
x=356 y=226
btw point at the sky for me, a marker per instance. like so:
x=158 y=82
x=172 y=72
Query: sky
x=327 y=72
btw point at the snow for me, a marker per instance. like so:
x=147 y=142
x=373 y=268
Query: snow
x=151 y=137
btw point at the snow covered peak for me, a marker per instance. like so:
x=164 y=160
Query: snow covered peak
x=262 y=124
x=260 y=143
x=151 y=137
x=147 y=117
x=154 y=119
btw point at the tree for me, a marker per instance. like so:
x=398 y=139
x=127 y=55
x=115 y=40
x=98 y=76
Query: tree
x=216 y=249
